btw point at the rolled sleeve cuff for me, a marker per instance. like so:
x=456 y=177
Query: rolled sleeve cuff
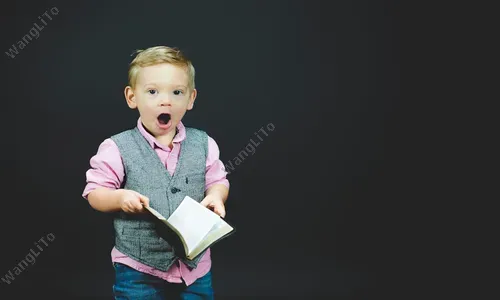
x=222 y=181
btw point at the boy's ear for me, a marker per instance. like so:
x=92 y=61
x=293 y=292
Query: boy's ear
x=194 y=93
x=130 y=97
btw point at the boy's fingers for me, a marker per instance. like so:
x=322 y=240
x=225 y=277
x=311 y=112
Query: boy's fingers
x=132 y=207
x=220 y=210
x=137 y=206
x=144 y=200
x=205 y=202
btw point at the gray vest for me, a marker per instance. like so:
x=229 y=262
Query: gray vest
x=135 y=234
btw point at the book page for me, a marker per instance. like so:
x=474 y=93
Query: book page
x=193 y=221
x=154 y=212
x=220 y=229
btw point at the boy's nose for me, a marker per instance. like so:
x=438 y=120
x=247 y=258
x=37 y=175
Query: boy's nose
x=165 y=101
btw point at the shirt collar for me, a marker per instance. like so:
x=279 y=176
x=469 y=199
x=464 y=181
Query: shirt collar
x=180 y=135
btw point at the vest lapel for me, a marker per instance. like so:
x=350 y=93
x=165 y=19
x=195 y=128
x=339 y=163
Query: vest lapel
x=153 y=158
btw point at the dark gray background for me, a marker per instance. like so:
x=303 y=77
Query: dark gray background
x=316 y=207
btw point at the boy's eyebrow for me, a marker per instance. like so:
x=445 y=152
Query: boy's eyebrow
x=154 y=83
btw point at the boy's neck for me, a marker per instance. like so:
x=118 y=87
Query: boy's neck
x=166 y=140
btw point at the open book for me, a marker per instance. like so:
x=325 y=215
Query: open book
x=196 y=226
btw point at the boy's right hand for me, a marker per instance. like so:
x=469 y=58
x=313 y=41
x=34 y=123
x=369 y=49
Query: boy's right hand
x=132 y=202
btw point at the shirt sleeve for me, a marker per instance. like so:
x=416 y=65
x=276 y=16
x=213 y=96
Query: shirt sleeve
x=215 y=169
x=106 y=168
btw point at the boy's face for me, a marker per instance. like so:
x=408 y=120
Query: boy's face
x=162 y=97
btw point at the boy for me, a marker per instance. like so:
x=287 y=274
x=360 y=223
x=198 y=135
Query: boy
x=157 y=163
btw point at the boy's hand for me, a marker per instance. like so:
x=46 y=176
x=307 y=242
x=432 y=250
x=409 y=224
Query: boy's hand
x=214 y=203
x=132 y=202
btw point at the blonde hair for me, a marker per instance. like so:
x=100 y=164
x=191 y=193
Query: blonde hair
x=158 y=55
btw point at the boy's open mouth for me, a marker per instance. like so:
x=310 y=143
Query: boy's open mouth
x=163 y=119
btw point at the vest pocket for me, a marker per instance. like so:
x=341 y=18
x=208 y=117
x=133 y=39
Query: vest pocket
x=151 y=245
x=195 y=176
x=147 y=238
x=193 y=181
x=130 y=232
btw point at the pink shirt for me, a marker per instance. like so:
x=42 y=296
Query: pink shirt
x=107 y=170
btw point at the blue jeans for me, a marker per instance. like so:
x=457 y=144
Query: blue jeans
x=132 y=284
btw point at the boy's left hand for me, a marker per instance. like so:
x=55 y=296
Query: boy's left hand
x=214 y=203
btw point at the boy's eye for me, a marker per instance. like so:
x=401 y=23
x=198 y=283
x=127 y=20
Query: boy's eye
x=152 y=92
x=177 y=92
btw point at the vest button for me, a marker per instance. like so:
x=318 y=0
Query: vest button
x=175 y=190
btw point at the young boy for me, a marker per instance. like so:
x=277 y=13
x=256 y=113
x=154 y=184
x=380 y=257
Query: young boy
x=157 y=163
